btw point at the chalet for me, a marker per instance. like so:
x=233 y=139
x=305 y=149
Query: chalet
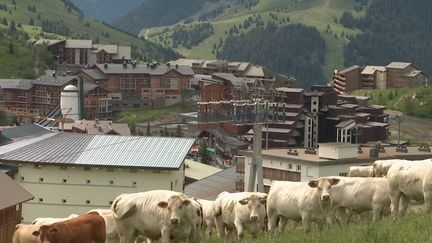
x=13 y=195
x=405 y=75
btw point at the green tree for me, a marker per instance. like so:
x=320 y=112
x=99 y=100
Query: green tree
x=132 y=128
x=409 y=106
x=179 y=132
x=390 y=95
x=5 y=22
x=31 y=22
x=203 y=152
x=166 y=134
x=148 y=133
x=4 y=120
x=11 y=49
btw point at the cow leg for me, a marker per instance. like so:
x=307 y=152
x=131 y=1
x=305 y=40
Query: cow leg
x=239 y=228
x=282 y=223
x=220 y=226
x=272 y=222
x=403 y=206
x=395 y=196
x=428 y=200
x=306 y=220
x=376 y=213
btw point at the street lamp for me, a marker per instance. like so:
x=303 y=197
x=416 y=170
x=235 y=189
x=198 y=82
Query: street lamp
x=398 y=119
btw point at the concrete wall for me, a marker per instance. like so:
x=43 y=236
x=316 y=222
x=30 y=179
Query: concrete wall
x=100 y=191
x=337 y=151
x=381 y=79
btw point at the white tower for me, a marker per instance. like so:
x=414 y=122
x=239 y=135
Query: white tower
x=69 y=102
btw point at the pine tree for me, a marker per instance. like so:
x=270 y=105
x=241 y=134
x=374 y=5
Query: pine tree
x=5 y=22
x=148 y=133
x=179 y=132
x=11 y=48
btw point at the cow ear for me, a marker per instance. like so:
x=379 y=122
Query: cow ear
x=334 y=181
x=313 y=184
x=186 y=202
x=244 y=201
x=162 y=204
x=35 y=233
x=263 y=200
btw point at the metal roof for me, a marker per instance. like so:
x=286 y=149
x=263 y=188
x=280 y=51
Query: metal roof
x=24 y=132
x=23 y=84
x=94 y=73
x=104 y=150
x=235 y=81
x=210 y=187
x=399 y=65
x=143 y=69
x=369 y=70
x=12 y=193
x=86 y=44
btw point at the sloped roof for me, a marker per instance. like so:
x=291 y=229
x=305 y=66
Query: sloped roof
x=369 y=70
x=112 y=49
x=413 y=73
x=235 y=81
x=198 y=171
x=349 y=69
x=399 y=65
x=12 y=193
x=140 y=69
x=123 y=52
x=22 y=84
x=101 y=150
x=47 y=41
x=210 y=187
x=24 y=132
x=94 y=73
x=80 y=44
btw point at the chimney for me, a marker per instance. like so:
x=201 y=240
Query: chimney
x=176 y=66
x=105 y=65
x=54 y=73
x=134 y=64
x=168 y=64
x=125 y=64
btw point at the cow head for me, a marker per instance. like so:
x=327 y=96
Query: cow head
x=177 y=208
x=256 y=204
x=323 y=186
x=45 y=233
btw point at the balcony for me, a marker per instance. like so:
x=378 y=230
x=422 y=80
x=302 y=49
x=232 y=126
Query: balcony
x=240 y=186
x=339 y=82
x=240 y=168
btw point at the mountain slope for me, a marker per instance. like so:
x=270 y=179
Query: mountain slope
x=242 y=16
x=64 y=18
x=106 y=10
x=394 y=30
x=153 y=13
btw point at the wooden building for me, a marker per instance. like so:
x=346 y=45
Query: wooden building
x=12 y=197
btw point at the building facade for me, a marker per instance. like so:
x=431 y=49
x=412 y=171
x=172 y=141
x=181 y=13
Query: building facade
x=73 y=173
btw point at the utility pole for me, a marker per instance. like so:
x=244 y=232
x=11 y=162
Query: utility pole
x=256 y=171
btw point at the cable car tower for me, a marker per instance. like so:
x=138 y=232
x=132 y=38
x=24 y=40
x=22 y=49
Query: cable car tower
x=254 y=111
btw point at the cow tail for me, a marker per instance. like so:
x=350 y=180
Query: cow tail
x=125 y=210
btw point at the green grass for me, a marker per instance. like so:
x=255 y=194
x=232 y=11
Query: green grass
x=317 y=13
x=412 y=101
x=141 y=115
x=54 y=10
x=412 y=228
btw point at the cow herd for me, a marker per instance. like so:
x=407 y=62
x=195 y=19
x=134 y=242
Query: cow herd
x=387 y=187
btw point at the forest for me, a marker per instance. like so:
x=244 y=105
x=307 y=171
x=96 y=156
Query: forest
x=192 y=35
x=393 y=30
x=277 y=49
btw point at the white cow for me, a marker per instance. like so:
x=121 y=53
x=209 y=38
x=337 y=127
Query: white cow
x=356 y=194
x=23 y=234
x=410 y=181
x=208 y=215
x=111 y=229
x=380 y=167
x=168 y=215
x=241 y=211
x=360 y=171
x=295 y=201
x=47 y=221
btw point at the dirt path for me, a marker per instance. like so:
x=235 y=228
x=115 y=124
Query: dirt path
x=413 y=128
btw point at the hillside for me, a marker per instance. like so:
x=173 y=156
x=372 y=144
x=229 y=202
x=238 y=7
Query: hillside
x=48 y=18
x=240 y=17
x=106 y=10
x=393 y=30
x=18 y=59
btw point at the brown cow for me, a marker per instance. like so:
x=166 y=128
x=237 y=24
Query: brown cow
x=86 y=228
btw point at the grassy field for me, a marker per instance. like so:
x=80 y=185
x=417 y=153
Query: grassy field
x=162 y=114
x=412 y=228
x=317 y=13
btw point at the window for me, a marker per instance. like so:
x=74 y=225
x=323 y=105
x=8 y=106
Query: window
x=290 y=166
x=87 y=168
x=111 y=182
x=343 y=174
x=64 y=180
x=134 y=183
x=110 y=202
x=22 y=178
x=298 y=167
x=88 y=181
x=38 y=166
x=63 y=200
x=40 y=199
x=145 y=82
x=87 y=201
x=40 y=179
